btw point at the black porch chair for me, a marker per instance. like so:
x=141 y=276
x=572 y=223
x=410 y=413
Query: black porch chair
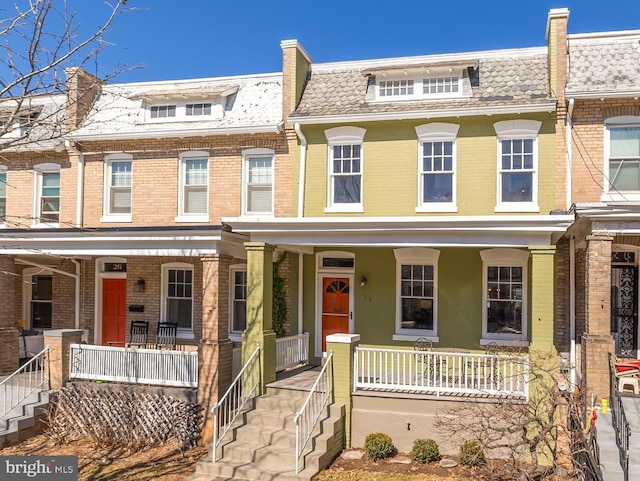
x=138 y=333
x=166 y=336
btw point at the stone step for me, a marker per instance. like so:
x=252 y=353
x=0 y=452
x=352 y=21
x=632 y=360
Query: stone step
x=280 y=402
x=229 y=470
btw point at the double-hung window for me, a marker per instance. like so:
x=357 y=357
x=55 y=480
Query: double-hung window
x=437 y=167
x=178 y=290
x=416 y=293
x=47 y=194
x=258 y=180
x=194 y=187
x=238 y=305
x=622 y=159
x=345 y=169
x=517 y=183
x=3 y=195
x=118 y=183
x=162 y=111
x=505 y=294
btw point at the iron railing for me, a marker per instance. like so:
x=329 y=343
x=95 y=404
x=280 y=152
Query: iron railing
x=31 y=378
x=585 y=453
x=306 y=419
x=619 y=420
x=243 y=388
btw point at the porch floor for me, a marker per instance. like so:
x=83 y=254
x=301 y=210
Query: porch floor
x=298 y=379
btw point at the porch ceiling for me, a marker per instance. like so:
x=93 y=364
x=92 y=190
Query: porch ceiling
x=490 y=231
x=123 y=241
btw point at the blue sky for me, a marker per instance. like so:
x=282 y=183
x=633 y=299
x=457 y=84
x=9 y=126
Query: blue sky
x=207 y=38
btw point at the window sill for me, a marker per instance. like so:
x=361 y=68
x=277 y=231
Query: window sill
x=516 y=207
x=45 y=226
x=620 y=197
x=415 y=337
x=344 y=209
x=191 y=218
x=235 y=336
x=436 y=207
x=505 y=342
x=117 y=218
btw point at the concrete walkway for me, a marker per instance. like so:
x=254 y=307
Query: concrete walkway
x=609 y=454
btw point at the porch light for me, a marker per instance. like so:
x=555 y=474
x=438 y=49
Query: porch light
x=139 y=286
x=363 y=281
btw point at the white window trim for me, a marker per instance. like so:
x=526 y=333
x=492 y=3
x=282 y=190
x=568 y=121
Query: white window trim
x=164 y=279
x=416 y=256
x=38 y=170
x=517 y=130
x=615 y=196
x=246 y=155
x=344 y=136
x=107 y=216
x=3 y=170
x=437 y=132
x=183 y=216
x=418 y=78
x=234 y=335
x=508 y=258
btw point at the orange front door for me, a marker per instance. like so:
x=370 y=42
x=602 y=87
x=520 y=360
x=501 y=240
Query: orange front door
x=335 y=307
x=114 y=310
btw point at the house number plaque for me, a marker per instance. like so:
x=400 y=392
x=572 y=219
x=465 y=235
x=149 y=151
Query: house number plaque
x=115 y=267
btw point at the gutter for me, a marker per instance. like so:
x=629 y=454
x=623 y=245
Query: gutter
x=428 y=114
x=303 y=166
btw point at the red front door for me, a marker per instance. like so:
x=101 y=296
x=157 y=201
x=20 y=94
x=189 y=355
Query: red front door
x=335 y=307
x=114 y=310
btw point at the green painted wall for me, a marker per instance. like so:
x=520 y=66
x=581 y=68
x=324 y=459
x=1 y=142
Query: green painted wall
x=390 y=166
x=459 y=297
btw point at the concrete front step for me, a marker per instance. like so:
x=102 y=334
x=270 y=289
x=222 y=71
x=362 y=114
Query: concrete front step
x=23 y=417
x=264 y=448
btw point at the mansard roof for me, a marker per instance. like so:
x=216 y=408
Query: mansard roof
x=499 y=79
x=251 y=104
x=604 y=64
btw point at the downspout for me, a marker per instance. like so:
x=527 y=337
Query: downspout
x=300 y=274
x=572 y=309
x=303 y=166
x=77 y=279
x=568 y=136
x=70 y=146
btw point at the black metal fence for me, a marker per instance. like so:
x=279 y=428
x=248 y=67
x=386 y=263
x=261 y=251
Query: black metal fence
x=619 y=420
x=584 y=445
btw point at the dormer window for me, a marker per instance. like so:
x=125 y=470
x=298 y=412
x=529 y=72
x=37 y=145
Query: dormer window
x=440 y=85
x=395 y=88
x=198 y=109
x=162 y=111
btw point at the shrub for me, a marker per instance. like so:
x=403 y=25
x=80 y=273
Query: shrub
x=425 y=451
x=379 y=446
x=472 y=454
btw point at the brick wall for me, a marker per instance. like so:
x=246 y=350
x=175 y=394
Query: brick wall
x=8 y=313
x=561 y=337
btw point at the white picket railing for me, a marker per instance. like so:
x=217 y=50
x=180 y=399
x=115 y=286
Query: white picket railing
x=292 y=351
x=307 y=417
x=441 y=372
x=244 y=387
x=30 y=378
x=140 y=366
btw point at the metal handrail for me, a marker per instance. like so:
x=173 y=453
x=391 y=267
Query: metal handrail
x=309 y=414
x=16 y=389
x=619 y=420
x=243 y=388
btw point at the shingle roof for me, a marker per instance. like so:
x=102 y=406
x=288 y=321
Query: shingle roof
x=515 y=79
x=604 y=65
x=119 y=108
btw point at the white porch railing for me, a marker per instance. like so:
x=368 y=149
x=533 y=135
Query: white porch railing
x=244 y=387
x=30 y=378
x=441 y=372
x=292 y=351
x=34 y=344
x=140 y=366
x=307 y=417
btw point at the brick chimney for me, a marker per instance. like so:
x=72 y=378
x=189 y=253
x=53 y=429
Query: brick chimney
x=82 y=89
x=296 y=65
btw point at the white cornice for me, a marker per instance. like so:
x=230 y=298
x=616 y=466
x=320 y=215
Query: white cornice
x=231 y=78
x=598 y=36
x=158 y=134
x=602 y=95
x=425 y=114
